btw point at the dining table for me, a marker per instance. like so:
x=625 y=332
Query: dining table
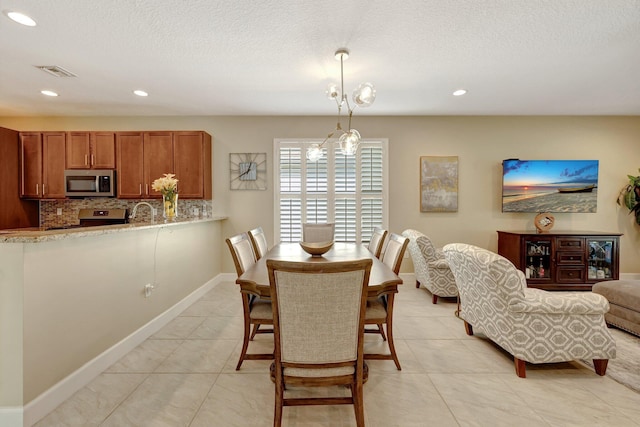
x=382 y=280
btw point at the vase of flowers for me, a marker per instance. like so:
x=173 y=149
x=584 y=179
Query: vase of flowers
x=168 y=186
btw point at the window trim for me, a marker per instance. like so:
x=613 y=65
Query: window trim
x=303 y=143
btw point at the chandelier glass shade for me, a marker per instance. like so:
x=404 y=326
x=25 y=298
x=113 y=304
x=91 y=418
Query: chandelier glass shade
x=363 y=96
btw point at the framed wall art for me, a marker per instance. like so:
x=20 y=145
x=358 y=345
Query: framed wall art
x=439 y=184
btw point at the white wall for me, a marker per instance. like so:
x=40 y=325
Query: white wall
x=481 y=143
x=69 y=300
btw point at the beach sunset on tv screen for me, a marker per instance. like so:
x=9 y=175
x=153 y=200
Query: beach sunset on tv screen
x=549 y=185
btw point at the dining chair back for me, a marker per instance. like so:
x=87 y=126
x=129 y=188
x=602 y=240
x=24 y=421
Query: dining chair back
x=259 y=242
x=255 y=311
x=376 y=241
x=318 y=313
x=394 y=252
x=316 y=233
x=380 y=310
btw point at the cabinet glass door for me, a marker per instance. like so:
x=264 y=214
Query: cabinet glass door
x=538 y=262
x=600 y=259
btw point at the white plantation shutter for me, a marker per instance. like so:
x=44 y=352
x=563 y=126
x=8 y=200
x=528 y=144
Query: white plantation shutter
x=347 y=190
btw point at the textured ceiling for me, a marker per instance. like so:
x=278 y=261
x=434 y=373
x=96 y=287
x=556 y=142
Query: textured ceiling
x=249 y=57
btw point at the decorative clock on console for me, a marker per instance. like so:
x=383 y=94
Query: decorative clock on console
x=544 y=222
x=248 y=171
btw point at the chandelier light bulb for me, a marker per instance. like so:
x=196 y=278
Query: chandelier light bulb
x=349 y=142
x=314 y=153
x=364 y=95
x=332 y=91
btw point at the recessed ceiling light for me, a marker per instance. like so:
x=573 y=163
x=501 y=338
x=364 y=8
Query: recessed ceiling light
x=459 y=92
x=140 y=92
x=20 y=18
x=48 y=93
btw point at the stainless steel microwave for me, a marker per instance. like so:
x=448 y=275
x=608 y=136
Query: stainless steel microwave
x=90 y=183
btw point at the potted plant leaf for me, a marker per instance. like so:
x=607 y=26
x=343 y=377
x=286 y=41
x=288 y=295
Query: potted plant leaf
x=630 y=196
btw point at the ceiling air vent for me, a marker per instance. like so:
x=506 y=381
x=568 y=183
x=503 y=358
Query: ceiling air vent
x=56 y=71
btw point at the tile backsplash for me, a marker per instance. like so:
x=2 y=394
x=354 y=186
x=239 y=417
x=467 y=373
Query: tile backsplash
x=70 y=207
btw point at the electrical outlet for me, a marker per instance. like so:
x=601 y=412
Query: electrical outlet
x=148 y=288
x=195 y=211
x=59 y=211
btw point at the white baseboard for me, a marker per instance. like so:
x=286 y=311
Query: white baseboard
x=11 y=416
x=65 y=388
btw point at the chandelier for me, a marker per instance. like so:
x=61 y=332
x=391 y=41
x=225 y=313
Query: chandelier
x=363 y=96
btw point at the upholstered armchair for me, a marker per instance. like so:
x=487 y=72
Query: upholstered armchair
x=431 y=268
x=533 y=325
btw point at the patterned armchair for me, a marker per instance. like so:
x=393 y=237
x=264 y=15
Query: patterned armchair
x=431 y=268
x=533 y=325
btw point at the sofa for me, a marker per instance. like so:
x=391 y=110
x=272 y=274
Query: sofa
x=533 y=325
x=431 y=268
x=624 y=299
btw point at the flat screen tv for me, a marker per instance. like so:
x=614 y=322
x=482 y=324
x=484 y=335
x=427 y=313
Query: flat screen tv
x=549 y=185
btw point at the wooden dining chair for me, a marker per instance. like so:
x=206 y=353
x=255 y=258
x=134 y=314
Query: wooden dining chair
x=376 y=241
x=316 y=233
x=259 y=242
x=255 y=311
x=380 y=310
x=318 y=318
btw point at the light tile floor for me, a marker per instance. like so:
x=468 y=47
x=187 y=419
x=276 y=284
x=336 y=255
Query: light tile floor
x=185 y=376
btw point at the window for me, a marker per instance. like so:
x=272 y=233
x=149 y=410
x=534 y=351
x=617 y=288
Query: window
x=348 y=190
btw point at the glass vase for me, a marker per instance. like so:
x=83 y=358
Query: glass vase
x=170 y=206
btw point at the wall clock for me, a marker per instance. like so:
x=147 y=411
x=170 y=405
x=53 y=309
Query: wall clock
x=248 y=171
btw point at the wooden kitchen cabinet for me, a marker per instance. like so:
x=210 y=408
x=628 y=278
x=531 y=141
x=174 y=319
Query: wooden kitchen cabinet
x=142 y=157
x=42 y=163
x=562 y=260
x=192 y=161
x=91 y=150
x=158 y=159
x=14 y=212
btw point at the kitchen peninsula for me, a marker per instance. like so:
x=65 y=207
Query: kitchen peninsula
x=72 y=302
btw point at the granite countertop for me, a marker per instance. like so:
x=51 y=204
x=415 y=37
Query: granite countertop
x=37 y=235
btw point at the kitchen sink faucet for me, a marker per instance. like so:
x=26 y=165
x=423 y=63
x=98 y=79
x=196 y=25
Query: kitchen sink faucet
x=135 y=209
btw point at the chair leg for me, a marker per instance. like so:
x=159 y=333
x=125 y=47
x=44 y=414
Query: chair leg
x=521 y=367
x=434 y=299
x=246 y=332
x=255 y=331
x=468 y=328
x=358 y=404
x=392 y=347
x=381 y=330
x=277 y=412
x=600 y=366
x=417 y=284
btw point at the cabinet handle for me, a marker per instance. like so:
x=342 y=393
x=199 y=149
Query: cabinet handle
x=43 y=192
x=140 y=189
x=93 y=160
x=86 y=159
x=37 y=189
x=146 y=189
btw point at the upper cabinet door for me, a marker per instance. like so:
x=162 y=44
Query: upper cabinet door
x=103 y=150
x=78 y=150
x=91 y=150
x=53 y=162
x=130 y=160
x=30 y=165
x=192 y=156
x=158 y=159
